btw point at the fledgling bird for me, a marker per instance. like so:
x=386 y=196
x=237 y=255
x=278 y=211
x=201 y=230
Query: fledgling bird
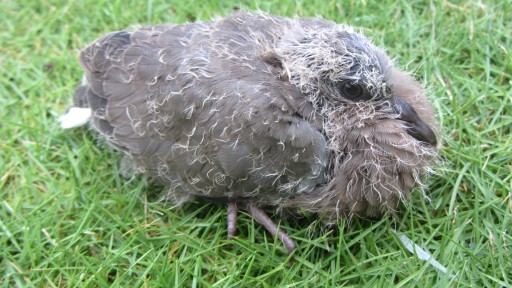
x=256 y=110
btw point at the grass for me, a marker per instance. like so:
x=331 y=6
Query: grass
x=68 y=219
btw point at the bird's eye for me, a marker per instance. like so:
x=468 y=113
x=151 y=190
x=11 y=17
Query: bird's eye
x=352 y=91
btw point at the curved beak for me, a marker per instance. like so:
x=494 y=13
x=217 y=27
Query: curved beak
x=416 y=127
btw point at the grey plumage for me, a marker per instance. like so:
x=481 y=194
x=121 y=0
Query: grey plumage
x=261 y=110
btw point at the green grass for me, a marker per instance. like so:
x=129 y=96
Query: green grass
x=68 y=219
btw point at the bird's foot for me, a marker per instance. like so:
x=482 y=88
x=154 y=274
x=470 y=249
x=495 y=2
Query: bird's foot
x=261 y=217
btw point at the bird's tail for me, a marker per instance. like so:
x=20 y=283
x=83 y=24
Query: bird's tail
x=95 y=58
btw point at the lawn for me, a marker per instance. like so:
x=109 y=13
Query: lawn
x=68 y=219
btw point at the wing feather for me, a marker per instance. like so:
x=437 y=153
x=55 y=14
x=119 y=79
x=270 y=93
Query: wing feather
x=198 y=107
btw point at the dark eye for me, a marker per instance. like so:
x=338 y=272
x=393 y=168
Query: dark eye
x=352 y=91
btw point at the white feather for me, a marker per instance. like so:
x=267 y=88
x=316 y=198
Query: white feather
x=75 y=117
x=421 y=253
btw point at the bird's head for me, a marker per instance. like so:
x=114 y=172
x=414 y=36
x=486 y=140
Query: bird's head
x=378 y=122
x=338 y=67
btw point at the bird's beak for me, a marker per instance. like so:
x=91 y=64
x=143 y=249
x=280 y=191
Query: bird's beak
x=416 y=127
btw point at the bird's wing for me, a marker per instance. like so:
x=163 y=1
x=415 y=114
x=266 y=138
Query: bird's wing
x=201 y=107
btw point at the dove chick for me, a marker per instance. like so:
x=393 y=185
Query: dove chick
x=255 y=110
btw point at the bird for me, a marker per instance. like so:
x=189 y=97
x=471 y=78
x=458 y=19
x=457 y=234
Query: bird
x=258 y=112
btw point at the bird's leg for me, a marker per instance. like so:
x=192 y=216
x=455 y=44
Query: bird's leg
x=232 y=216
x=261 y=217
